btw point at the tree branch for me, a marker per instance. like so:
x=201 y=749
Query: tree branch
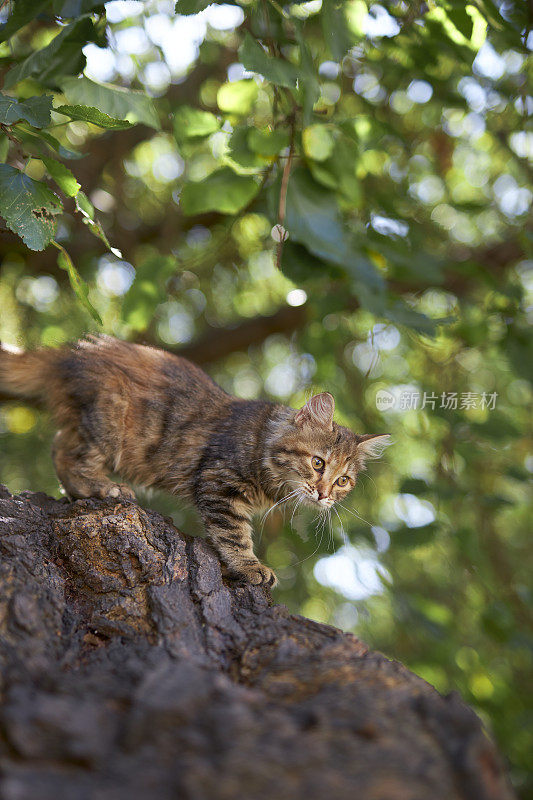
x=217 y=343
x=165 y=679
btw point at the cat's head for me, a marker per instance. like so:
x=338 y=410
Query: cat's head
x=319 y=459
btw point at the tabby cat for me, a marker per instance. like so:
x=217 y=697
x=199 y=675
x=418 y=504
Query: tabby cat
x=159 y=420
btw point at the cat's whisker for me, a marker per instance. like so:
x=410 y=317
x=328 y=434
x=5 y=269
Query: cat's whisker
x=315 y=551
x=330 y=529
x=371 y=479
x=343 y=532
x=322 y=523
x=275 y=505
x=297 y=505
x=283 y=500
x=355 y=514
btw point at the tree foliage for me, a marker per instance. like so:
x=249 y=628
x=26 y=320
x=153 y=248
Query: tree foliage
x=313 y=195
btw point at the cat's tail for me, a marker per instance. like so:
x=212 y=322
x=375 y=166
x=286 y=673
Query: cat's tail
x=25 y=374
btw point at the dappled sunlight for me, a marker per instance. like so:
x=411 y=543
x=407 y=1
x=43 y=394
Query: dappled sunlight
x=303 y=198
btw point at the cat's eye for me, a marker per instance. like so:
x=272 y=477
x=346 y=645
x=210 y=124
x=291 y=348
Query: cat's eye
x=342 y=481
x=318 y=463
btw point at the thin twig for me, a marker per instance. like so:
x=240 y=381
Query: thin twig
x=283 y=198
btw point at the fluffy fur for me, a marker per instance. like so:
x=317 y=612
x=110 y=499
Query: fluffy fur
x=159 y=420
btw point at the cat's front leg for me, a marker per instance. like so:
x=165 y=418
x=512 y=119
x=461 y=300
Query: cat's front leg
x=228 y=528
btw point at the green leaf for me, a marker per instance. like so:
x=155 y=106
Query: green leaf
x=267 y=142
x=4 y=146
x=415 y=537
x=28 y=207
x=63 y=56
x=402 y=314
x=192 y=122
x=337 y=33
x=313 y=219
x=75 y=8
x=62 y=176
x=147 y=291
x=309 y=84
x=22 y=12
x=237 y=97
x=84 y=205
x=240 y=156
x=115 y=101
x=414 y=486
x=275 y=70
x=191 y=6
x=338 y=172
x=80 y=288
x=93 y=115
x=56 y=145
x=86 y=209
x=462 y=20
x=35 y=110
x=222 y=191
x=318 y=142
x=299 y=264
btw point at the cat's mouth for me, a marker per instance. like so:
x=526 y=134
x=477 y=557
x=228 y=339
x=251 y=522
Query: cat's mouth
x=312 y=497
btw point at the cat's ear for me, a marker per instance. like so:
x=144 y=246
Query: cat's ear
x=372 y=445
x=317 y=411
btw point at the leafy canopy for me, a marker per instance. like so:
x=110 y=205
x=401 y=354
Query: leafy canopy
x=326 y=195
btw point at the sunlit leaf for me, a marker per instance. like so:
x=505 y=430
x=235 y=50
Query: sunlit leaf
x=118 y=103
x=56 y=145
x=240 y=155
x=94 y=116
x=237 y=97
x=62 y=176
x=318 y=142
x=28 y=207
x=84 y=205
x=80 y=288
x=86 y=209
x=190 y=123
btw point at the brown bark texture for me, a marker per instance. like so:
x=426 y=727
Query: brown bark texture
x=131 y=668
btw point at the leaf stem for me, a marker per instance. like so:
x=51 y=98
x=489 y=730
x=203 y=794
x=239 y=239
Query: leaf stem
x=283 y=196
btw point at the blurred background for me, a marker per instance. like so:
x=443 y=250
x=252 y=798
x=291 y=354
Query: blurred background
x=404 y=288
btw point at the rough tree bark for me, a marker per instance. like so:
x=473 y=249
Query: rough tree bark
x=130 y=668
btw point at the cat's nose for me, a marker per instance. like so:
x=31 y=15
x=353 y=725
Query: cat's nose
x=322 y=496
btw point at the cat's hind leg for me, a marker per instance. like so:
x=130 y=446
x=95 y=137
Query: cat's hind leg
x=81 y=468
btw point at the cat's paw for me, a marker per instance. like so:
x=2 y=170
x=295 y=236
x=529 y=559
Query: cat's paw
x=259 y=575
x=119 y=491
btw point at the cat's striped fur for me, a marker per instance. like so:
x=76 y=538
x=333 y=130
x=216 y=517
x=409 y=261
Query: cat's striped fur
x=159 y=420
